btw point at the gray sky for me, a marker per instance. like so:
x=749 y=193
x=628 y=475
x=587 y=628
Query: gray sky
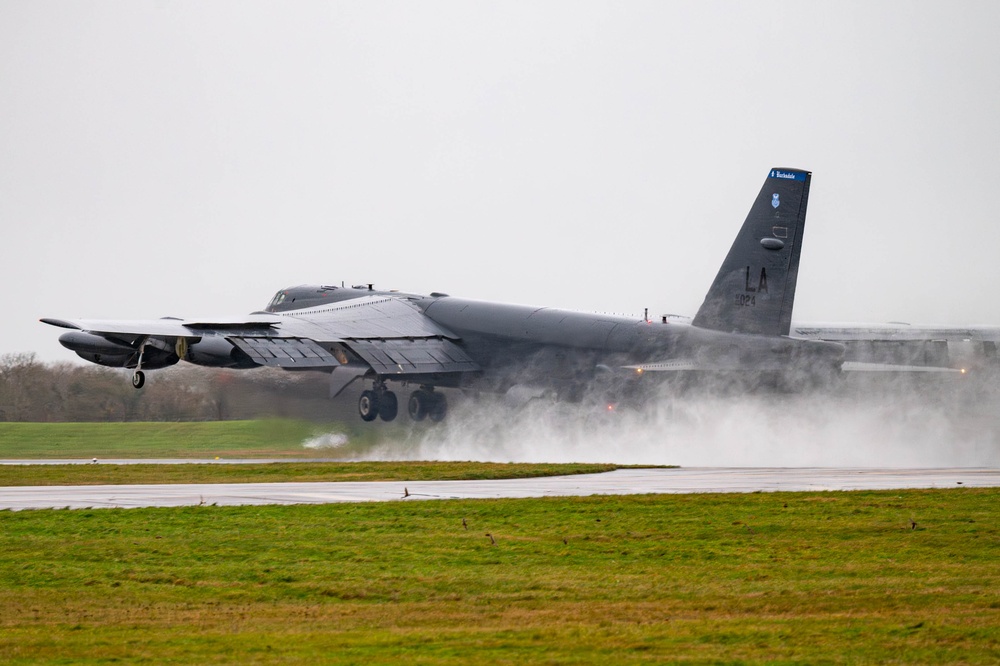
x=191 y=158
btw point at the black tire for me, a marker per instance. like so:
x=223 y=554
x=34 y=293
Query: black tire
x=388 y=406
x=417 y=405
x=438 y=407
x=368 y=405
x=138 y=379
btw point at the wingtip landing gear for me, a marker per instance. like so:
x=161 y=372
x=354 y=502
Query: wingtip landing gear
x=139 y=377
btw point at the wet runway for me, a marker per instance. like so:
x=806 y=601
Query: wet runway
x=619 y=482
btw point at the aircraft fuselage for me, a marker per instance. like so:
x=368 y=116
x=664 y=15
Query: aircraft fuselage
x=563 y=349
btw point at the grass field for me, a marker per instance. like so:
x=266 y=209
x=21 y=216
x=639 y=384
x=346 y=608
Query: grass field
x=275 y=438
x=82 y=475
x=775 y=577
x=224 y=439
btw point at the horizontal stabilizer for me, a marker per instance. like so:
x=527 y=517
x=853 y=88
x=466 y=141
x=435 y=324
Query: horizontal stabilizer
x=667 y=366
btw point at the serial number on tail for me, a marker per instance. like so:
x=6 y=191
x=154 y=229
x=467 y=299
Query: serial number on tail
x=746 y=300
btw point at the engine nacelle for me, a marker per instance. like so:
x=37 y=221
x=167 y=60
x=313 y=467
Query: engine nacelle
x=88 y=343
x=108 y=360
x=215 y=352
x=98 y=349
x=153 y=359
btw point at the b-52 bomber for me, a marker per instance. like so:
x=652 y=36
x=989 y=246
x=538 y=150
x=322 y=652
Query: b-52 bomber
x=438 y=341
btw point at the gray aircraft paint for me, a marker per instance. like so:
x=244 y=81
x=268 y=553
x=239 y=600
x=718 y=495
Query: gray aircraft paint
x=433 y=341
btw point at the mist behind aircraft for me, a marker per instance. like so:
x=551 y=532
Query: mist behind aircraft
x=869 y=422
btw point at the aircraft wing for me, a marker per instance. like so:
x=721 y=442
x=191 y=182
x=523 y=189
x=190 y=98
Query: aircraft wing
x=386 y=335
x=855 y=366
x=898 y=347
x=878 y=348
x=166 y=327
x=893 y=331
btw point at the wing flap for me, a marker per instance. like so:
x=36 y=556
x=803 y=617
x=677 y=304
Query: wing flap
x=285 y=352
x=406 y=357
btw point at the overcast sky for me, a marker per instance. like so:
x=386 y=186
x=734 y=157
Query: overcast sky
x=192 y=158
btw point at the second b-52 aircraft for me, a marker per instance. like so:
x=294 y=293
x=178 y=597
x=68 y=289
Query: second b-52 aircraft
x=436 y=341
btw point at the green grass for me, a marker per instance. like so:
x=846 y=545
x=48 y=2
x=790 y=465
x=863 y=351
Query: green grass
x=227 y=439
x=223 y=439
x=82 y=474
x=837 y=578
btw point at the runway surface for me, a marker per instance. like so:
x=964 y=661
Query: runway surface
x=619 y=482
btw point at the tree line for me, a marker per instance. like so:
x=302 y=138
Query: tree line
x=31 y=390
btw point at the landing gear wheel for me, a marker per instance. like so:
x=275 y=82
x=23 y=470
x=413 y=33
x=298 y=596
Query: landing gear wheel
x=368 y=405
x=424 y=403
x=438 y=408
x=388 y=406
x=138 y=379
x=417 y=405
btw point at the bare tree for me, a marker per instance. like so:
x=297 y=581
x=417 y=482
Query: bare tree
x=35 y=391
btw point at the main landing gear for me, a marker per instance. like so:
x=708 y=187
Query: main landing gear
x=424 y=402
x=380 y=402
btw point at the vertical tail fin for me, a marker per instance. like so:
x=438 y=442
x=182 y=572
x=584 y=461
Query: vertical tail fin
x=755 y=288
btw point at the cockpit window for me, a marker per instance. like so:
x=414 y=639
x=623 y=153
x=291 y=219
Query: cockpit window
x=278 y=299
